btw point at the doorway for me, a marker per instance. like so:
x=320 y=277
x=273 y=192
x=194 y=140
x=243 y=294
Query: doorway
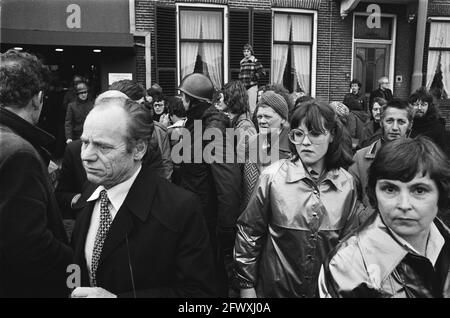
x=371 y=61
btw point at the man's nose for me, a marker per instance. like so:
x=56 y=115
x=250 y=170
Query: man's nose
x=88 y=153
x=395 y=125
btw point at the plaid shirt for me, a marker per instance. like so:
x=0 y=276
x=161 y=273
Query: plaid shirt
x=250 y=72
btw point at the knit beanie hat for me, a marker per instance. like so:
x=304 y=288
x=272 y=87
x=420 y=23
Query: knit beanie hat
x=340 y=109
x=276 y=102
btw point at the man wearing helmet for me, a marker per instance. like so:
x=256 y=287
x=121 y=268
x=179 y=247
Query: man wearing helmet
x=218 y=184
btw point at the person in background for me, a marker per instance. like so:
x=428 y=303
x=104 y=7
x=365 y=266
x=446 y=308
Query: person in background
x=396 y=121
x=154 y=91
x=300 y=209
x=159 y=108
x=251 y=71
x=427 y=120
x=403 y=250
x=355 y=100
x=233 y=100
x=71 y=95
x=382 y=91
x=270 y=144
x=216 y=182
x=34 y=254
x=77 y=112
x=159 y=149
x=372 y=129
x=350 y=121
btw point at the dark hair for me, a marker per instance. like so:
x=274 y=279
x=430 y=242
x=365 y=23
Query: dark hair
x=423 y=95
x=403 y=159
x=132 y=89
x=249 y=47
x=236 y=98
x=299 y=102
x=399 y=104
x=380 y=101
x=139 y=122
x=318 y=116
x=355 y=81
x=22 y=76
x=176 y=107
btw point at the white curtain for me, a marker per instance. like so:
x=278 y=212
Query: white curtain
x=190 y=28
x=301 y=54
x=445 y=68
x=212 y=52
x=301 y=28
x=439 y=38
x=302 y=58
x=282 y=27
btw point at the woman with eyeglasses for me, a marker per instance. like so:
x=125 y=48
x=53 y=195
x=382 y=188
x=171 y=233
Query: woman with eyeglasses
x=300 y=209
x=402 y=250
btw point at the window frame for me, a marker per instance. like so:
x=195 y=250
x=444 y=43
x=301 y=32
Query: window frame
x=438 y=20
x=392 y=42
x=224 y=41
x=313 y=44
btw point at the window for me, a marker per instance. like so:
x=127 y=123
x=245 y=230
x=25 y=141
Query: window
x=438 y=69
x=253 y=27
x=292 y=52
x=201 y=42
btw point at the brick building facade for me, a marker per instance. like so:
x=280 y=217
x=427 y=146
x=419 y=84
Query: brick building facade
x=335 y=42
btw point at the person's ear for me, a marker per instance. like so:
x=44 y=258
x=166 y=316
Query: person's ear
x=140 y=150
x=37 y=100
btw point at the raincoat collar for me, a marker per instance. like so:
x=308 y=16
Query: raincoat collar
x=296 y=171
x=381 y=251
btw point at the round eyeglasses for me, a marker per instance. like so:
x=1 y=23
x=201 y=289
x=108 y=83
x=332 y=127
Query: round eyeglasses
x=296 y=136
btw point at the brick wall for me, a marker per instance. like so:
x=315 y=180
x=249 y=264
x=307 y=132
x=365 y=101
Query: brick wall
x=334 y=52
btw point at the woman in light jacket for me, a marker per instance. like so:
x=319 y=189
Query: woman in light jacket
x=403 y=250
x=299 y=210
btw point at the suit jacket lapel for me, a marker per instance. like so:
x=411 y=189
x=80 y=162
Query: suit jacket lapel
x=138 y=203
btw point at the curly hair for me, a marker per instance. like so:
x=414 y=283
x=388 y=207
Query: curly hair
x=355 y=81
x=318 y=116
x=22 y=76
x=403 y=159
x=423 y=95
x=236 y=98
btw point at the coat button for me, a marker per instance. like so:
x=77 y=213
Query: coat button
x=314 y=214
x=315 y=191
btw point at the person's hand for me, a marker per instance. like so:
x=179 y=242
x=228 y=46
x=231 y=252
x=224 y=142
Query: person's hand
x=68 y=141
x=165 y=120
x=252 y=58
x=248 y=293
x=91 y=292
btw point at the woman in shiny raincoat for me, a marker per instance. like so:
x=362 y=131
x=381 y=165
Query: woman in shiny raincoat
x=403 y=250
x=299 y=211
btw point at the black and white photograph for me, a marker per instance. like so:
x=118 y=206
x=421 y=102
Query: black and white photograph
x=225 y=154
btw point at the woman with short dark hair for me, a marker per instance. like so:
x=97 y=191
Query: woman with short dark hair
x=403 y=250
x=300 y=209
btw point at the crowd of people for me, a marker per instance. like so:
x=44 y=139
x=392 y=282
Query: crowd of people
x=314 y=199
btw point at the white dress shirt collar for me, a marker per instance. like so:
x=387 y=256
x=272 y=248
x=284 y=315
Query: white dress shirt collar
x=118 y=193
x=434 y=245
